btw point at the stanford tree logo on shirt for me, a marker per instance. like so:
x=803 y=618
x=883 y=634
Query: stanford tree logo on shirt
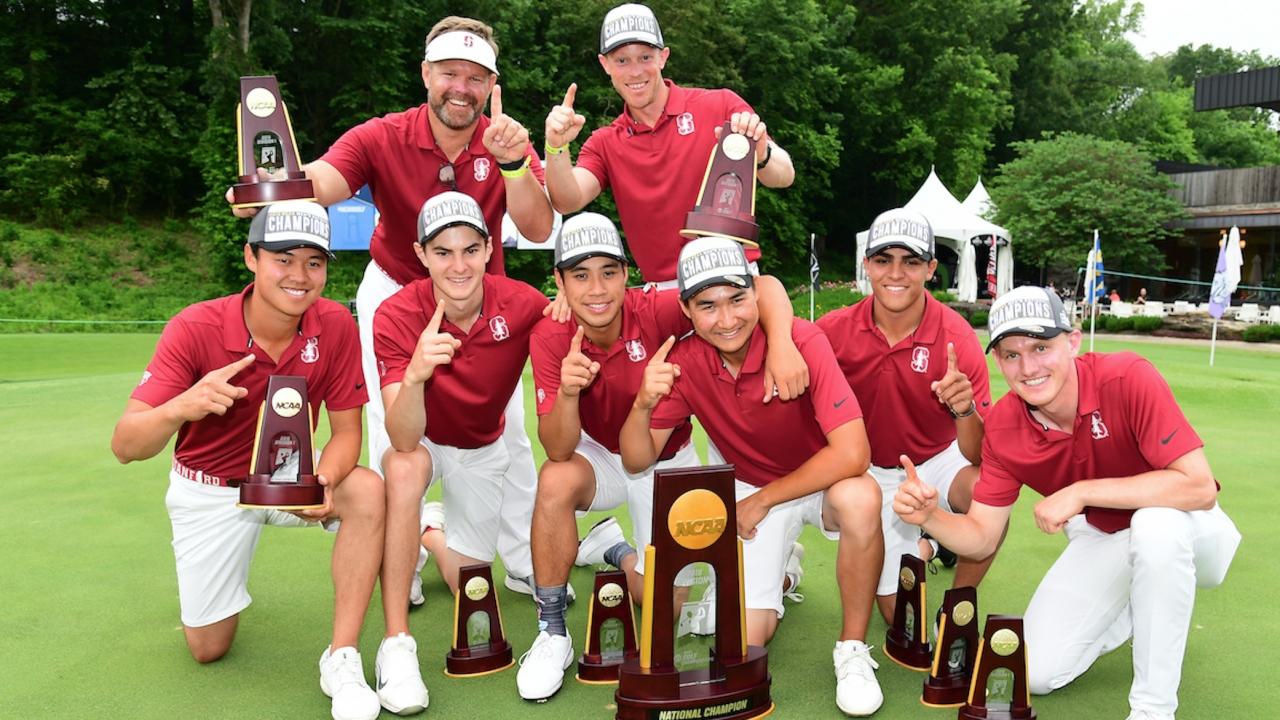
x=498 y=326
x=480 y=169
x=1098 y=428
x=920 y=359
x=684 y=124
x=311 y=352
x=636 y=351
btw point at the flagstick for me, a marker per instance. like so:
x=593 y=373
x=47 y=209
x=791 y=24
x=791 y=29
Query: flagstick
x=812 y=238
x=1213 y=341
x=1093 y=322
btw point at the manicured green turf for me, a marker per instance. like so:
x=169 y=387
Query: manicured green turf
x=89 y=626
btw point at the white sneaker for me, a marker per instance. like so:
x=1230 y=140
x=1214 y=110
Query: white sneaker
x=342 y=678
x=602 y=536
x=400 y=686
x=542 y=668
x=857 y=690
x=432 y=517
x=1149 y=715
x=795 y=573
x=525 y=587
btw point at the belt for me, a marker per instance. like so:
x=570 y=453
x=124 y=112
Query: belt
x=198 y=476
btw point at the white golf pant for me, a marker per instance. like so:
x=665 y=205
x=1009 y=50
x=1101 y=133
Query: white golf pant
x=520 y=485
x=1138 y=582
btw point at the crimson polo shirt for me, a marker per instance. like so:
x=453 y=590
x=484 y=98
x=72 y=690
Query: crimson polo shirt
x=764 y=442
x=903 y=414
x=465 y=398
x=397 y=156
x=1127 y=423
x=211 y=335
x=648 y=319
x=656 y=172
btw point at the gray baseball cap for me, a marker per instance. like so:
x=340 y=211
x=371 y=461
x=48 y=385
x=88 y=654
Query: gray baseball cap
x=588 y=235
x=446 y=210
x=902 y=228
x=711 y=260
x=629 y=23
x=290 y=224
x=1029 y=310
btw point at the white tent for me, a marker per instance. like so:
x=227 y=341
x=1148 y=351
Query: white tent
x=953 y=226
x=979 y=203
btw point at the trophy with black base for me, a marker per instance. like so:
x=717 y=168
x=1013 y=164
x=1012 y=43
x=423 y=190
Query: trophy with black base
x=694 y=520
x=998 y=689
x=727 y=202
x=906 y=642
x=283 y=444
x=265 y=140
x=611 y=630
x=479 y=645
x=948 y=682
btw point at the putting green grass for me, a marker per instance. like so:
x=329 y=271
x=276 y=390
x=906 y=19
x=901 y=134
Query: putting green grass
x=89 y=621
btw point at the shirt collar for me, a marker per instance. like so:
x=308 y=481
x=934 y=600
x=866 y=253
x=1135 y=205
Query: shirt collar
x=677 y=103
x=235 y=334
x=426 y=139
x=1087 y=402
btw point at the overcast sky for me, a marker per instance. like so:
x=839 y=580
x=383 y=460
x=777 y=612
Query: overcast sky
x=1237 y=24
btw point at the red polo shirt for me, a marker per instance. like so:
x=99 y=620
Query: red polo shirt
x=656 y=172
x=648 y=319
x=464 y=399
x=212 y=334
x=903 y=415
x=764 y=442
x=397 y=156
x=1127 y=423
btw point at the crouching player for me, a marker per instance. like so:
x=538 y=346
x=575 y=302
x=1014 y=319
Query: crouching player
x=803 y=461
x=1123 y=475
x=206 y=382
x=587 y=373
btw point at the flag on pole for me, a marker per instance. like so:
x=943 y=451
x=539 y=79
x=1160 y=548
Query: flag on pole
x=813 y=262
x=1094 y=288
x=1226 y=276
x=991 y=269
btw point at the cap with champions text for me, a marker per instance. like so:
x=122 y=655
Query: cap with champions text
x=630 y=23
x=290 y=224
x=447 y=210
x=901 y=228
x=463 y=45
x=711 y=260
x=1028 y=310
x=587 y=235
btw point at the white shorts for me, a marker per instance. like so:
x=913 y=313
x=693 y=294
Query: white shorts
x=472 y=480
x=614 y=486
x=764 y=557
x=901 y=538
x=213 y=544
x=375 y=287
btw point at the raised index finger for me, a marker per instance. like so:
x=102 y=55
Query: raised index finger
x=661 y=355
x=495 y=102
x=575 y=345
x=433 y=326
x=226 y=372
x=952 y=365
x=909 y=467
x=569 y=95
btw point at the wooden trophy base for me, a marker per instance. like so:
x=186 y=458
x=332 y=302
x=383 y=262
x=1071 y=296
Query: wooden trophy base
x=259 y=492
x=473 y=663
x=969 y=712
x=906 y=653
x=743 y=229
x=945 y=692
x=592 y=671
x=253 y=191
x=743 y=693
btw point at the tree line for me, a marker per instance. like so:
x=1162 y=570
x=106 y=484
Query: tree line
x=114 y=109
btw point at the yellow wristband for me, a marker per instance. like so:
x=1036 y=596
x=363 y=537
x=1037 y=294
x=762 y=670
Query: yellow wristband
x=518 y=172
x=553 y=150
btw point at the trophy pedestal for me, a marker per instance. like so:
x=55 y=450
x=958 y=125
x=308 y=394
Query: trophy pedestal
x=969 y=712
x=610 y=602
x=944 y=692
x=742 y=693
x=906 y=652
x=469 y=662
x=906 y=642
x=479 y=644
x=259 y=492
x=253 y=191
x=742 y=228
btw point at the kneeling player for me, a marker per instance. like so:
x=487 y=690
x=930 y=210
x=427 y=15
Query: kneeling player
x=206 y=383
x=797 y=462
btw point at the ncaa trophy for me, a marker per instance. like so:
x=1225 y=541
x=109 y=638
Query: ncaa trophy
x=906 y=642
x=998 y=689
x=948 y=682
x=694 y=520
x=264 y=139
x=284 y=432
x=727 y=202
x=611 y=630
x=479 y=645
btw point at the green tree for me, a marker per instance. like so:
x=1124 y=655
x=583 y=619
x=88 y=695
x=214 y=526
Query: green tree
x=1061 y=188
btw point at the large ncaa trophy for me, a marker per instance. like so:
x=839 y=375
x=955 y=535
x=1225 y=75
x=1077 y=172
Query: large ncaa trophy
x=694 y=520
x=906 y=642
x=611 y=630
x=479 y=645
x=727 y=202
x=999 y=690
x=284 y=433
x=265 y=140
x=948 y=682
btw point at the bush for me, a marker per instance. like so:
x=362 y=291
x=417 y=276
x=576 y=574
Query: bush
x=1147 y=324
x=1117 y=324
x=978 y=319
x=944 y=296
x=1262 y=333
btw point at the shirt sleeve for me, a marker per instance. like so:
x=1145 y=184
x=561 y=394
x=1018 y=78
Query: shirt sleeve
x=734 y=103
x=591 y=158
x=668 y=315
x=1161 y=430
x=834 y=403
x=351 y=153
x=346 y=383
x=389 y=346
x=546 y=353
x=171 y=371
x=996 y=486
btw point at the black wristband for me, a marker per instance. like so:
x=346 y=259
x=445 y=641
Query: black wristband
x=768 y=155
x=973 y=408
x=513 y=165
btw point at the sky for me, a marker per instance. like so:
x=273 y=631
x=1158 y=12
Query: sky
x=1237 y=24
